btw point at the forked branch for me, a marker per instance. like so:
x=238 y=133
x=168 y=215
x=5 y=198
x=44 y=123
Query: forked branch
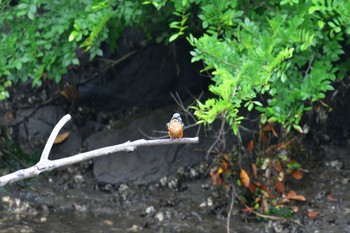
x=45 y=164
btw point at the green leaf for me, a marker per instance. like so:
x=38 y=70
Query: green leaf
x=30 y=15
x=320 y=24
x=173 y=37
x=293 y=165
x=72 y=36
x=298 y=128
x=22 y=6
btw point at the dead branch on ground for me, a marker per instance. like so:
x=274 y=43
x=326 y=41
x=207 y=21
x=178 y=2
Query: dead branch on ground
x=45 y=164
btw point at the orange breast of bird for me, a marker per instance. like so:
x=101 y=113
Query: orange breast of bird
x=175 y=129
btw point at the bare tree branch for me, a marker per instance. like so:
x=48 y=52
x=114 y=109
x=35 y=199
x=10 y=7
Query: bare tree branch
x=45 y=164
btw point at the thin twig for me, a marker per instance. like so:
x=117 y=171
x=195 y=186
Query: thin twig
x=231 y=208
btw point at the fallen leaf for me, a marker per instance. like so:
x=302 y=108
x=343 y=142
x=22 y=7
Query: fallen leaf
x=278 y=147
x=266 y=189
x=292 y=195
x=280 y=186
x=245 y=180
x=61 y=137
x=215 y=176
x=225 y=162
x=313 y=214
x=252 y=187
x=296 y=174
x=277 y=165
x=330 y=197
x=220 y=170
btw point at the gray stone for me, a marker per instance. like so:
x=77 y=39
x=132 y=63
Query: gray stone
x=145 y=164
x=33 y=127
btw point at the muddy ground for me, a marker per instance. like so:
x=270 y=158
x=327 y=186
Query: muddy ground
x=69 y=200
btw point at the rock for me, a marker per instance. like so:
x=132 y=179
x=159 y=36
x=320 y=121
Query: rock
x=34 y=126
x=160 y=216
x=134 y=228
x=174 y=183
x=150 y=211
x=194 y=173
x=163 y=181
x=145 y=164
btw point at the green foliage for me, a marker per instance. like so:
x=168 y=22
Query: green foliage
x=273 y=56
x=276 y=56
x=40 y=39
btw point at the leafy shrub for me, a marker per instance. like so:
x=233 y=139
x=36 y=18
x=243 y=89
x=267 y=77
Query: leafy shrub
x=275 y=56
x=40 y=39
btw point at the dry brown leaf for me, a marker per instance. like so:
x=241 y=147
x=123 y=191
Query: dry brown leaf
x=252 y=187
x=215 y=176
x=296 y=174
x=61 y=137
x=280 y=186
x=313 y=214
x=225 y=162
x=278 y=147
x=245 y=180
x=266 y=189
x=330 y=197
x=292 y=195
x=277 y=165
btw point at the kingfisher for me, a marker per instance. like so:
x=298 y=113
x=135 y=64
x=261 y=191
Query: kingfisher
x=175 y=127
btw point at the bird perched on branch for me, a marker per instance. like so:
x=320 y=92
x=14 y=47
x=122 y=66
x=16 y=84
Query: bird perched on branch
x=175 y=127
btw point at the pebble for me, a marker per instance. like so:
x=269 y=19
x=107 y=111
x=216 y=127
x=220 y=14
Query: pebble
x=203 y=168
x=174 y=183
x=134 y=228
x=163 y=181
x=160 y=216
x=78 y=179
x=123 y=187
x=181 y=172
x=194 y=173
x=150 y=211
x=80 y=208
x=208 y=202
